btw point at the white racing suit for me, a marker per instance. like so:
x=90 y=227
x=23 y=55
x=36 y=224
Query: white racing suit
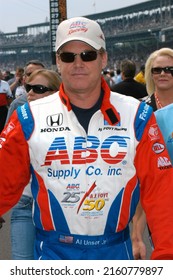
x=86 y=186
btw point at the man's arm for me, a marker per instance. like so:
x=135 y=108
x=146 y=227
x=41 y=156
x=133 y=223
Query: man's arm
x=15 y=104
x=137 y=232
x=14 y=164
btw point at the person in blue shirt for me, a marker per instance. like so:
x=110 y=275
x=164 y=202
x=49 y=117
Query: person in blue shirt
x=165 y=122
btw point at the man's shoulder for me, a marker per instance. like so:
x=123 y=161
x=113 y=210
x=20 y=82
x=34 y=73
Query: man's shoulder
x=124 y=100
x=19 y=101
x=22 y=99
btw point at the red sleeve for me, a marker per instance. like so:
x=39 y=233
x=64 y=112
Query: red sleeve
x=14 y=164
x=156 y=179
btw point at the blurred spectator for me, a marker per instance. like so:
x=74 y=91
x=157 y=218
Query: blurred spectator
x=118 y=78
x=7 y=75
x=129 y=86
x=1 y=75
x=31 y=66
x=106 y=76
x=17 y=80
x=20 y=90
x=112 y=78
x=140 y=77
x=5 y=94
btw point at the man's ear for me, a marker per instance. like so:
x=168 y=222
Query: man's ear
x=104 y=59
x=58 y=64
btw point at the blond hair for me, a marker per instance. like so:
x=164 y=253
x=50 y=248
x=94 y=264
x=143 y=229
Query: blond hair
x=52 y=77
x=149 y=64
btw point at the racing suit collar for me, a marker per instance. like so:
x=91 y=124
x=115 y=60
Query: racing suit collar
x=108 y=110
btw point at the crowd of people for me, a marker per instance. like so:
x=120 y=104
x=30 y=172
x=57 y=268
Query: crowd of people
x=149 y=19
x=112 y=24
x=83 y=154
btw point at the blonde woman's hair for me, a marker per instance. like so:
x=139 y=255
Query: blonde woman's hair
x=149 y=64
x=52 y=77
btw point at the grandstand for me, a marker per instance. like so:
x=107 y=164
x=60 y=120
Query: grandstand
x=29 y=42
x=132 y=32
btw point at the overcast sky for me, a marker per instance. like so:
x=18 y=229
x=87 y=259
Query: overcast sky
x=15 y=13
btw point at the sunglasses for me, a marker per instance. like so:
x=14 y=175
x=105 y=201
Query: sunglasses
x=158 y=70
x=86 y=56
x=37 y=88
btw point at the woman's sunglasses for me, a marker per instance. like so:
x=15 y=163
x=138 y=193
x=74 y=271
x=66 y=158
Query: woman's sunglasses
x=37 y=88
x=158 y=70
x=86 y=56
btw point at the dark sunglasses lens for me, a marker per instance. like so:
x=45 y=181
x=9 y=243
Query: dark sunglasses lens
x=156 y=70
x=39 y=89
x=36 y=88
x=67 y=57
x=28 y=87
x=89 y=55
x=168 y=70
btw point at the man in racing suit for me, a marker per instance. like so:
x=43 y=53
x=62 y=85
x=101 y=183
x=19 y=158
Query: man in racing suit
x=88 y=150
